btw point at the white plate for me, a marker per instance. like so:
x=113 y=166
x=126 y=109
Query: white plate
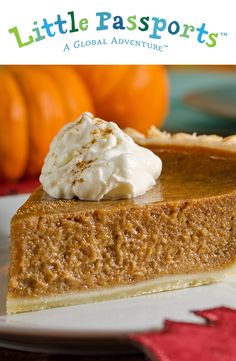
x=99 y=327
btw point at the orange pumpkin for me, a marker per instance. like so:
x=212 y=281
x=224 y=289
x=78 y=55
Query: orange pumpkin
x=74 y=93
x=36 y=101
x=131 y=95
x=46 y=113
x=13 y=128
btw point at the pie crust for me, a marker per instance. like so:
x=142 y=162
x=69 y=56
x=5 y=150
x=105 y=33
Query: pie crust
x=163 y=138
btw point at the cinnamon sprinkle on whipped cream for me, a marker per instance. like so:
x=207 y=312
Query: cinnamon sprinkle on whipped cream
x=92 y=159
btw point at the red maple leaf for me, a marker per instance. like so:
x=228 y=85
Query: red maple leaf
x=181 y=341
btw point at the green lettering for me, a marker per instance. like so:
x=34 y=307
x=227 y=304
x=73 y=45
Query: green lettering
x=212 y=37
x=83 y=24
x=131 y=20
x=144 y=21
x=18 y=38
x=36 y=30
x=187 y=28
x=72 y=18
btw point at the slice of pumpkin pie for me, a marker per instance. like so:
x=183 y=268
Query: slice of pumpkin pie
x=115 y=219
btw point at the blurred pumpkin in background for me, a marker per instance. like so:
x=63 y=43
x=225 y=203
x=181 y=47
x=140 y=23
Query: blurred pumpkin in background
x=131 y=95
x=37 y=101
x=13 y=128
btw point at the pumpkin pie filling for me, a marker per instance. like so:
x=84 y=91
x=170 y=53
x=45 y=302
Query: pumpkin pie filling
x=184 y=226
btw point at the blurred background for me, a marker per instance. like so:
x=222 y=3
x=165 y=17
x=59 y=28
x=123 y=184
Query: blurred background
x=37 y=101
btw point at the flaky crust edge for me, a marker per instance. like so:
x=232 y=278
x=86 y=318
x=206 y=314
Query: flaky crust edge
x=162 y=138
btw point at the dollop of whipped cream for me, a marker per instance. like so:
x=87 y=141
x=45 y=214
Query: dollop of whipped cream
x=93 y=159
